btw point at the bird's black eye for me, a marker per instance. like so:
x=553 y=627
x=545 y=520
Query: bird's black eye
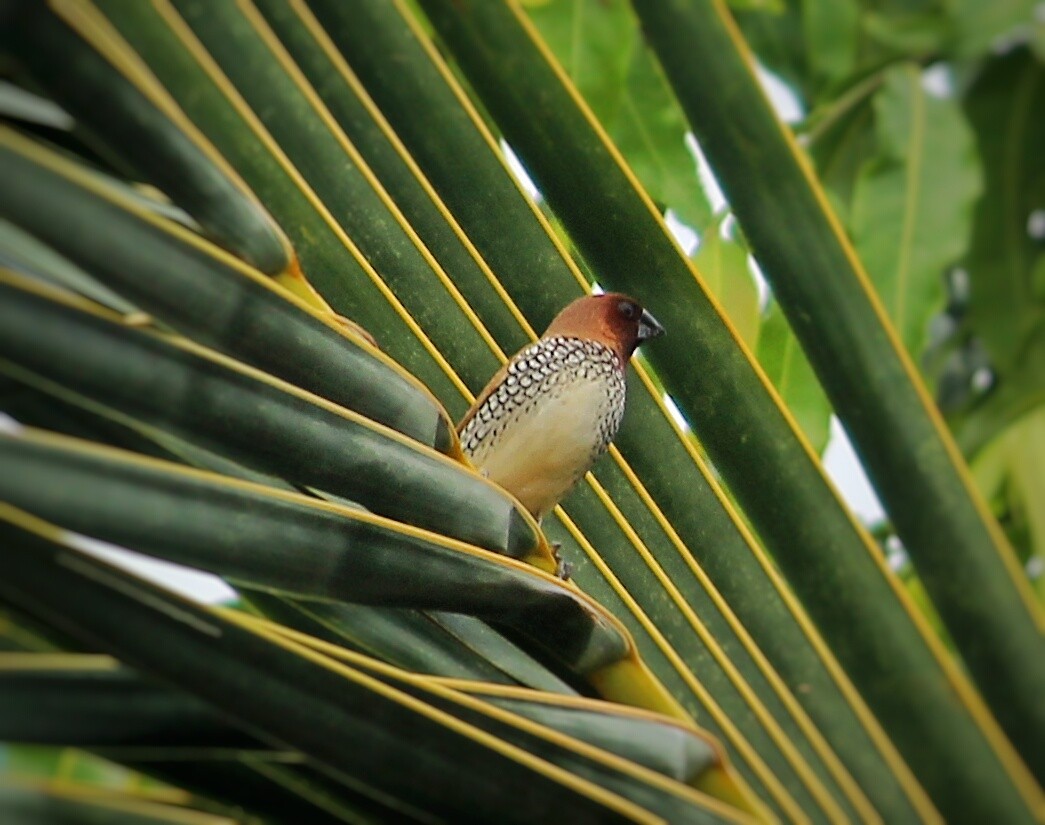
x=627 y=310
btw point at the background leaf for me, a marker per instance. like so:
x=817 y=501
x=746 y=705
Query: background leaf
x=602 y=51
x=723 y=265
x=786 y=365
x=912 y=205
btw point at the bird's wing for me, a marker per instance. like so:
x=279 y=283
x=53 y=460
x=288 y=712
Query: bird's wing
x=492 y=385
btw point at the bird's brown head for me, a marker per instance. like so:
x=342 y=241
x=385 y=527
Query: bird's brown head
x=613 y=319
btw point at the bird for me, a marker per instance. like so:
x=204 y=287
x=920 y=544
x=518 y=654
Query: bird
x=541 y=422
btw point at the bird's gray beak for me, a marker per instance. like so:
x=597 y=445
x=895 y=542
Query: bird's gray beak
x=649 y=327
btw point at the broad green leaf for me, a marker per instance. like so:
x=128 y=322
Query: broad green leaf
x=449 y=645
x=666 y=748
x=231 y=409
x=603 y=53
x=786 y=366
x=139 y=128
x=831 y=30
x=772 y=6
x=1006 y=309
x=22 y=252
x=1008 y=471
x=274 y=17
x=293 y=545
x=633 y=781
x=956 y=546
x=723 y=266
x=980 y=27
x=76 y=806
x=89 y=701
x=906 y=31
x=594 y=43
x=328 y=256
x=195 y=288
x=840 y=136
x=912 y=205
x=345 y=720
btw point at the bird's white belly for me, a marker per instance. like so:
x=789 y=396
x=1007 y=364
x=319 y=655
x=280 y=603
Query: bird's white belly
x=545 y=448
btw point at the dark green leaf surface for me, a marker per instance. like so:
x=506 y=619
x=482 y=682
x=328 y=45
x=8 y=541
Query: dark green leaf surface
x=978 y=27
x=233 y=410
x=723 y=265
x=831 y=30
x=243 y=46
x=672 y=670
x=960 y=553
x=672 y=801
x=721 y=694
x=291 y=544
x=743 y=429
x=912 y=205
x=22 y=252
x=626 y=91
x=781 y=356
x=667 y=749
x=196 y=289
x=332 y=263
x=28 y=806
x=1007 y=304
x=140 y=131
x=449 y=645
x=346 y=721
x=203 y=25
x=89 y=701
x=431 y=119
x=651 y=527
x=349 y=104
x=274 y=790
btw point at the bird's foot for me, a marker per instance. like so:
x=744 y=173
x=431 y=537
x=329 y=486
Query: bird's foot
x=563 y=569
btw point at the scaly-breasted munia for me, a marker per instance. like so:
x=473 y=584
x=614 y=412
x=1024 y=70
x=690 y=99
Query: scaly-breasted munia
x=544 y=418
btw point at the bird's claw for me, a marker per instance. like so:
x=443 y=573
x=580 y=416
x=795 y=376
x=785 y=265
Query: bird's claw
x=563 y=569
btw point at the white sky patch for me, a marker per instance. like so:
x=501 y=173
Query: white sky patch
x=192 y=584
x=760 y=281
x=519 y=172
x=896 y=555
x=9 y=426
x=938 y=81
x=844 y=469
x=676 y=413
x=708 y=181
x=1035 y=567
x=784 y=101
x=685 y=236
x=1036 y=224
